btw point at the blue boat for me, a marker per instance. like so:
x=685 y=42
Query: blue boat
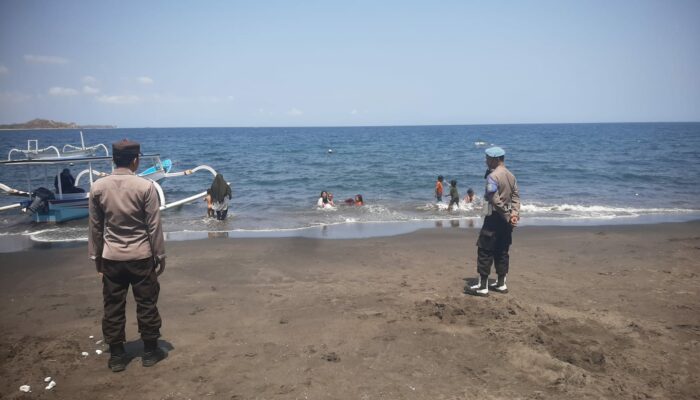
x=158 y=171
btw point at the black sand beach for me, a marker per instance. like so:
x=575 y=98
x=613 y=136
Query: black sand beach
x=592 y=313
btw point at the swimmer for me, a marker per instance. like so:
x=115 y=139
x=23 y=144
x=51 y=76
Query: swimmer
x=357 y=201
x=323 y=200
x=469 y=198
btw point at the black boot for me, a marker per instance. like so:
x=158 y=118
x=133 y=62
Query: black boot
x=481 y=288
x=500 y=286
x=152 y=354
x=117 y=357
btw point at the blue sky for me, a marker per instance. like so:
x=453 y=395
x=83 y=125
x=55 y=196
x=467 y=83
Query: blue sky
x=329 y=63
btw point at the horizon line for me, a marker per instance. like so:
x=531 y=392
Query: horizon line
x=402 y=125
x=88 y=126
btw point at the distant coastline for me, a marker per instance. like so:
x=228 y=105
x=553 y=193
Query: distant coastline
x=50 y=124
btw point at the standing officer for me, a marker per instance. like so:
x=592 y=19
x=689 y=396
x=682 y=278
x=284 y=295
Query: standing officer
x=126 y=242
x=502 y=215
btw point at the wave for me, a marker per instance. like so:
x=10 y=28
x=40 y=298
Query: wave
x=595 y=211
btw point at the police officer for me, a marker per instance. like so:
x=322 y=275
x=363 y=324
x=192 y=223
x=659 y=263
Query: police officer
x=502 y=215
x=126 y=242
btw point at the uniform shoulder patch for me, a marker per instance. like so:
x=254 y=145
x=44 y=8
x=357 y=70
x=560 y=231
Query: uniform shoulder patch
x=491 y=185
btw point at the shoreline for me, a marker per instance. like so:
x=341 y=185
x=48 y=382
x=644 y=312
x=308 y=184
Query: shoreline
x=11 y=242
x=605 y=312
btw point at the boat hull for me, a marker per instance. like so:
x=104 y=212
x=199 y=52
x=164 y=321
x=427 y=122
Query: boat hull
x=66 y=209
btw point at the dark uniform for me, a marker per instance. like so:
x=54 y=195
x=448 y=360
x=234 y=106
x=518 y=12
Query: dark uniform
x=503 y=202
x=125 y=233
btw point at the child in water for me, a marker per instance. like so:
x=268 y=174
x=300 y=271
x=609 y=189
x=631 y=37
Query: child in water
x=469 y=198
x=210 y=209
x=438 y=188
x=454 y=195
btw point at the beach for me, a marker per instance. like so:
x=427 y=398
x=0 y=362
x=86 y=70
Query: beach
x=601 y=312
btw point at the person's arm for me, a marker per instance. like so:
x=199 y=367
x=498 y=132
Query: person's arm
x=95 y=231
x=515 y=203
x=154 y=226
x=493 y=197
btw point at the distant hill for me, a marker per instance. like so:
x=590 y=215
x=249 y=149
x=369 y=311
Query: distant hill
x=49 y=124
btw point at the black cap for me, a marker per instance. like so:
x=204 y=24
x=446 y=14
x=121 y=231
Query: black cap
x=125 y=147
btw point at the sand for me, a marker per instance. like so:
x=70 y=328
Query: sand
x=592 y=313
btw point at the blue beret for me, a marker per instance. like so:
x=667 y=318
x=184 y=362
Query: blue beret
x=495 y=152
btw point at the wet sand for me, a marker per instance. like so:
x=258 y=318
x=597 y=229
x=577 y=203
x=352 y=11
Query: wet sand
x=592 y=313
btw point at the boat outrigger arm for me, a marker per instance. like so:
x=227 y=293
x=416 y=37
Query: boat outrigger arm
x=12 y=192
x=69 y=148
x=161 y=195
x=159 y=189
x=34 y=152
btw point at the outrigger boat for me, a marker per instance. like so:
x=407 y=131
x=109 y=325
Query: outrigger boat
x=64 y=204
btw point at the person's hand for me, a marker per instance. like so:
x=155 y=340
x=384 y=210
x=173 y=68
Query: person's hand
x=160 y=266
x=98 y=266
x=514 y=220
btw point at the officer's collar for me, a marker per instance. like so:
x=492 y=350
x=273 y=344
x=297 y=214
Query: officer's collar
x=122 y=171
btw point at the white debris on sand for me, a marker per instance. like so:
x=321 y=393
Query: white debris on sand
x=92 y=337
x=25 y=388
x=47 y=379
x=98 y=352
x=99 y=341
x=50 y=385
x=85 y=354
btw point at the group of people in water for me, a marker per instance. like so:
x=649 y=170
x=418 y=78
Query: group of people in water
x=219 y=194
x=454 y=193
x=325 y=200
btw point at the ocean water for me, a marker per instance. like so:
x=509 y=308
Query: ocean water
x=568 y=174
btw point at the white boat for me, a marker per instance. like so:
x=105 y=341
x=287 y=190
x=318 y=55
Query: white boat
x=64 y=204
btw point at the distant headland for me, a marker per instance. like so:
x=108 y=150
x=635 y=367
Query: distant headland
x=49 y=124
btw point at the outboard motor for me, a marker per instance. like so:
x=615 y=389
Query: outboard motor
x=40 y=200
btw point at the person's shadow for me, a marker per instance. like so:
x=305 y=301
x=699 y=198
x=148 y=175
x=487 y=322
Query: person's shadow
x=134 y=348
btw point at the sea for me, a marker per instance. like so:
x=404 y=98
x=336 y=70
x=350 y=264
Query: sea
x=568 y=174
